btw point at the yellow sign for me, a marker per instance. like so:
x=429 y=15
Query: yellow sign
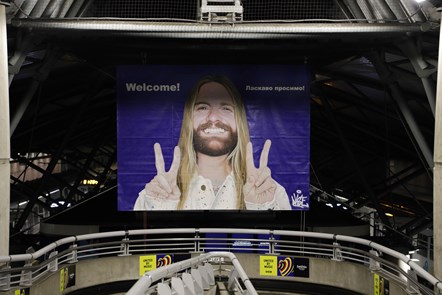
x=147 y=263
x=268 y=265
x=90 y=181
x=62 y=279
x=67 y=277
x=381 y=286
x=376 y=285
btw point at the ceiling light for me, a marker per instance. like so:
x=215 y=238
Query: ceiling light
x=341 y=198
x=389 y=214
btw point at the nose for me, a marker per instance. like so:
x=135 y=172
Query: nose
x=213 y=115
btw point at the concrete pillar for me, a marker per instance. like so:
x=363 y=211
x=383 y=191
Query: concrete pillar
x=372 y=223
x=437 y=172
x=5 y=173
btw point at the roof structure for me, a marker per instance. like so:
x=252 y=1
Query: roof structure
x=373 y=93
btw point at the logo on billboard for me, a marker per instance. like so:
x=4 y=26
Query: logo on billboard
x=299 y=200
x=285 y=267
x=163 y=261
x=301 y=267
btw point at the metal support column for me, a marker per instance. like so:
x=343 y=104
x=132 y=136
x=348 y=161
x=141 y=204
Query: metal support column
x=423 y=70
x=390 y=81
x=18 y=57
x=39 y=77
x=5 y=169
x=437 y=172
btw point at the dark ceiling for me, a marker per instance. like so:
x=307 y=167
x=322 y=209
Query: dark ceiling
x=372 y=119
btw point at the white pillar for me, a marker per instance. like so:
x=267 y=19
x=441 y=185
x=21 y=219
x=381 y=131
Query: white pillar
x=437 y=172
x=5 y=173
x=372 y=223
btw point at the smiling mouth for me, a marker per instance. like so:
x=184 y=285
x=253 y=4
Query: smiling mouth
x=214 y=131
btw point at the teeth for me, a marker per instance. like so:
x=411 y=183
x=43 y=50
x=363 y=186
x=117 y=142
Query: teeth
x=214 y=130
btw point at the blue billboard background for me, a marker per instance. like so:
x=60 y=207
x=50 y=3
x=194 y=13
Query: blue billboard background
x=150 y=102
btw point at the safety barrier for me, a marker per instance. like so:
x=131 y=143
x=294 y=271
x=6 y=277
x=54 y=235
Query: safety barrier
x=25 y=270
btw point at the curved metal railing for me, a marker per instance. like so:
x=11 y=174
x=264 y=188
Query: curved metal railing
x=201 y=277
x=24 y=270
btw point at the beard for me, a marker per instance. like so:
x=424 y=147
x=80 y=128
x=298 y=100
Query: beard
x=215 y=145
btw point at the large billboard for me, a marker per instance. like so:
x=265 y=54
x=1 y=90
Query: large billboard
x=209 y=137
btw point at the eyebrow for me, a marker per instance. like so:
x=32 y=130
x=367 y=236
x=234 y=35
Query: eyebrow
x=208 y=103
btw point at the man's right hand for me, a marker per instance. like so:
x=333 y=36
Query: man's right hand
x=260 y=187
x=164 y=184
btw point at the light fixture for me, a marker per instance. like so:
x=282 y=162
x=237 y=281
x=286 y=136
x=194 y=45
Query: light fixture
x=341 y=198
x=389 y=214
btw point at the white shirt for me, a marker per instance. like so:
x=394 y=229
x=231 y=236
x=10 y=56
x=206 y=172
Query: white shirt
x=202 y=197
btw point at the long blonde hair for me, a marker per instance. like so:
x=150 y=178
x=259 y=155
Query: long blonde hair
x=237 y=157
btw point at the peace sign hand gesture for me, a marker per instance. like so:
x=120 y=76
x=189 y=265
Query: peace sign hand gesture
x=164 y=184
x=260 y=187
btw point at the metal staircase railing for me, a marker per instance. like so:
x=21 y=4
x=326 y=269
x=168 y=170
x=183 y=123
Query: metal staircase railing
x=192 y=277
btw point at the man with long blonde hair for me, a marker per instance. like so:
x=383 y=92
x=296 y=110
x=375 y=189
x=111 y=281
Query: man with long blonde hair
x=213 y=166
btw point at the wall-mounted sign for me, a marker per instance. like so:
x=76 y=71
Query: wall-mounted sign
x=89 y=182
x=25 y=291
x=151 y=262
x=381 y=285
x=67 y=277
x=283 y=266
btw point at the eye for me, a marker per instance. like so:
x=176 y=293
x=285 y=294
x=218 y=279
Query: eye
x=201 y=107
x=227 y=108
